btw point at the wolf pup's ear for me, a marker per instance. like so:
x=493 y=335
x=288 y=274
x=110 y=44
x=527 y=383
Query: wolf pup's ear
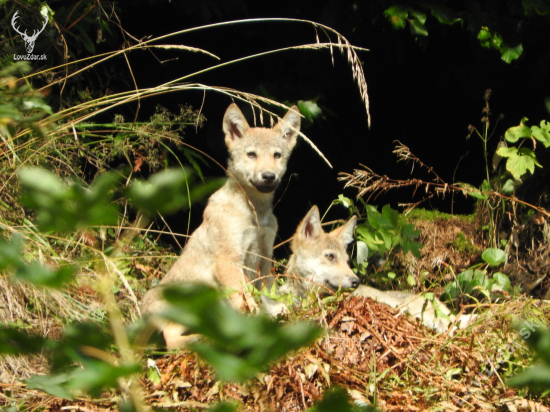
x=289 y=126
x=345 y=232
x=234 y=125
x=310 y=227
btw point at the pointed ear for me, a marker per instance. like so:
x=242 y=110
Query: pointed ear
x=345 y=232
x=310 y=227
x=289 y=126
x=234 y=125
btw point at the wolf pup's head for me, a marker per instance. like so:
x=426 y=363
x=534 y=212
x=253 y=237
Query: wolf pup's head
x=258 y=155
x=320 y=258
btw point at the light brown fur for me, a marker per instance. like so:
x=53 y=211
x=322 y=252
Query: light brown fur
x=319 y=261
x=238 y=229
x=311 y=270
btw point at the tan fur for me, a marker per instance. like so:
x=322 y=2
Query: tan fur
x=319 y=261
x=310 y=270
x=238 y=229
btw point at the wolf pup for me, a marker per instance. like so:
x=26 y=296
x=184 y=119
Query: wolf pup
x=319 y=261
x=418 y=307
x=236 y=237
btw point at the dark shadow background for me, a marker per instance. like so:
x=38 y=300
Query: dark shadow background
x=423 y=92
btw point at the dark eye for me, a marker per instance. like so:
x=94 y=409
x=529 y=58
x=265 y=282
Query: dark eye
x=277 y=155
x=251 y=155
x=329 y=256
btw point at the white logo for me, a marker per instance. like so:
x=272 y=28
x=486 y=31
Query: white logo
x=29 y=40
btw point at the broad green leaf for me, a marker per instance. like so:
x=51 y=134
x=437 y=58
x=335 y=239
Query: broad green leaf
x=513 y=134
x=528 y=152
x=411 y=280
x=337 y=399
x=509 y=54
x=41 y=181
x=239 y=346
x=541 y=134
x=397 y=15
x=66 y=208
x=40 y=275
x=417 y=24
x=409 y=232
x=391 y=214
x=508 y=187
x=223 y=407
x=519 y=165
x=310 y=109
x=502 y=281
x=493 y=256
x=13 y=341
x=386 y=237
x=537 y=378
x=445 y=15
x=344 y=201
x=489 y=40
x=507 y=151
x=53 y=385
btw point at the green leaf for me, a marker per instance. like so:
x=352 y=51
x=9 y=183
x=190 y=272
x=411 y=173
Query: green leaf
x=528 y=152
x=344 y=201
x=337 y=399
x=65 y=208
x=223 y=407
x=519 y=165
x=513 y=134
x=39 y=275
x=397 y=15
x=502 y=281
x=417 y=24
x=411 y=280
x=239 y=346
x=509 y=54
x=391 y=215
x=53 y=385
x=508 y=187
x=493 y=256
x=537 y=378
x=16 y=342
x=310 y=109
x=445 y=15
x=489 y=40
x=541 y=133
x=507 y=151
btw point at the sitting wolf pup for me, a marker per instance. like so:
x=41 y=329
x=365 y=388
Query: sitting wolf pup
x=319 y=262
x=238 y=229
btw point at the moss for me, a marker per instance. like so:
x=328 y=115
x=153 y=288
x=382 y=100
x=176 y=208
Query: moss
x=461 y=244
x=423 y=214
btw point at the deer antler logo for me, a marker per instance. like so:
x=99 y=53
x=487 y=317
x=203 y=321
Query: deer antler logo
x=29 y=40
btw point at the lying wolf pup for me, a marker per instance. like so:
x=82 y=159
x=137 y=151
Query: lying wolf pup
x=238 y=229
x=320 y=263
x=417 y=306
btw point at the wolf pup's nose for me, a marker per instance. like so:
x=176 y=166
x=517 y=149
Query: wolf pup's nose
x=355 y=283
x=268 y=177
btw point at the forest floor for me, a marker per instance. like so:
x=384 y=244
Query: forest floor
x=369 y=349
